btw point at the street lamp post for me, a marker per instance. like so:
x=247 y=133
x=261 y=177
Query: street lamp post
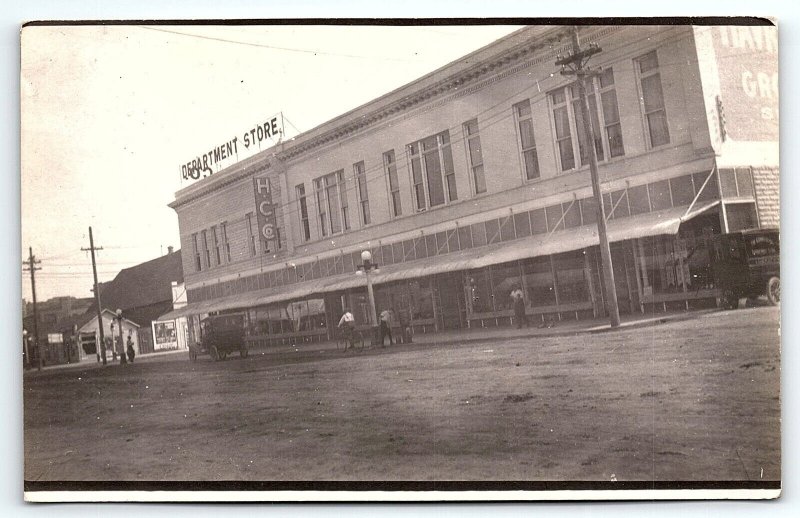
x=122 y=359
x=366 y=267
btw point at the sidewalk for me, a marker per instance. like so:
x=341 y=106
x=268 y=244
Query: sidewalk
x=465 y=336
x=457 y=336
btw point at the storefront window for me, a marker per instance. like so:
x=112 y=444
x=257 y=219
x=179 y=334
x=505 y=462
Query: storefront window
x=539 y=282
x=570 y=277
x=421 y=298
x=479 y=292
x=505 y=279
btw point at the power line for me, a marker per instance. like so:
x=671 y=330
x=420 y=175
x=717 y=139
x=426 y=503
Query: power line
x=273 y=47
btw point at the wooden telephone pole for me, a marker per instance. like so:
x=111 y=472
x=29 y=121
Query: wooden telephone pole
x=97 y=296
x=575 y=64
x=31 y=263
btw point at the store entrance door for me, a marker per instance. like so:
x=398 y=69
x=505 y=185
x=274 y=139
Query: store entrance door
x=452 y=312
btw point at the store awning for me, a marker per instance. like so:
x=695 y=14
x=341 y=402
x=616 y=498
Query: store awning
x=665 y=222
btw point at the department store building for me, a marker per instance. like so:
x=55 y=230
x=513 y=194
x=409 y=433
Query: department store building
x=473 y=180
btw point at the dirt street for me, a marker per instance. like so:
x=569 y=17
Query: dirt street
x=688 y=400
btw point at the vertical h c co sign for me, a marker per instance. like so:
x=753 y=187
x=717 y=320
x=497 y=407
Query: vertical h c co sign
x=265 y=213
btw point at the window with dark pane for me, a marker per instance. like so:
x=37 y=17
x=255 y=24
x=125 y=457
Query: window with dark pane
x=554 y=221
x=507 y=228
x=659 y=195
x=452 y=240
x=682 y=190
x=420 y=248
x=478 y=234
x=464 y=238
x=744 y=182
x=522 y=224
x=588 y=211
x=572 y=214
x=492 y=231
x=638 y=200
x=430 y=244
x=538 y=221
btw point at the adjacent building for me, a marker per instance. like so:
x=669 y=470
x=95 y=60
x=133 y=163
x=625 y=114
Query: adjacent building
x=473 y=180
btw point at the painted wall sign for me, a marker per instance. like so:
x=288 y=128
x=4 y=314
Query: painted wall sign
x=265 y=213
x=747 y=59
x=227 y=153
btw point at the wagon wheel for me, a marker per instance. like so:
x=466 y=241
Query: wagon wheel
x=243 y=352
x=214 y=353
x=774 y=290
x=192 y=355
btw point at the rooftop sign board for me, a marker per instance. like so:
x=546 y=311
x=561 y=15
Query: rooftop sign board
x=226 y=153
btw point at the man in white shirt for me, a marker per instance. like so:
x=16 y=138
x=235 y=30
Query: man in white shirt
x=386 y=326
x=347 y=323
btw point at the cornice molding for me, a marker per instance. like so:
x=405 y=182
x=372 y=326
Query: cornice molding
x=502 y=65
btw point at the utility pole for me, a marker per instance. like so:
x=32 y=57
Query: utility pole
x=575 y=64
x=97 y=296
x=31 y=263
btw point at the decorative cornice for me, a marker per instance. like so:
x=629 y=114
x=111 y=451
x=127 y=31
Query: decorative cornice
x=458 y=85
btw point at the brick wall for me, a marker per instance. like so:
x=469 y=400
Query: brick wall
x=767 y=184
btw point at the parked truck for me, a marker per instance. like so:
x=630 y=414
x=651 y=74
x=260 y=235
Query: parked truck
x=221 y=335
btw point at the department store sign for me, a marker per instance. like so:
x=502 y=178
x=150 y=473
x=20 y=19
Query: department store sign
x=747 y=59
x=224 y=154
x=265 y=212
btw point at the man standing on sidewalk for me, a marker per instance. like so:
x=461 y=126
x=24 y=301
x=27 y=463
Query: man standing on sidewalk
x=386 y=326
x=518 y=300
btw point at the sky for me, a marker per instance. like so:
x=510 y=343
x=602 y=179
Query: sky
x=108 y=114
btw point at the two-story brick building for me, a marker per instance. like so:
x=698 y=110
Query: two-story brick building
x=473 y=180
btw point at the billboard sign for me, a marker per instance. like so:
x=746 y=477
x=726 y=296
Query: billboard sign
x=165 y=336
x=226 y=153
x=747 y=58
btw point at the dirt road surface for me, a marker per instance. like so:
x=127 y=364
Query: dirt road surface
x=690 y=400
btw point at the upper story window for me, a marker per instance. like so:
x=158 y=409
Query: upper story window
x=604 y=116
x=302 y=203
x=475 y=155
x=251 y=236
x=652 y=99
x=432 y=173
x=225 y=244
x=216 y=244
x=206 y=251
x=198 y=265
x=363 y=193
x=530 y=157
x=331 y=193
x=390 y=165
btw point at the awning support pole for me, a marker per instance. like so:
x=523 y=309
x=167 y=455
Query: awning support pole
x=618 y=202
x=563 y=215
x=691 y=205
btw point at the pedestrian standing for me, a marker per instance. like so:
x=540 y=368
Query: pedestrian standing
x=518 y=301
x=386 y=327
x=131 y=352
x=347 y=324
